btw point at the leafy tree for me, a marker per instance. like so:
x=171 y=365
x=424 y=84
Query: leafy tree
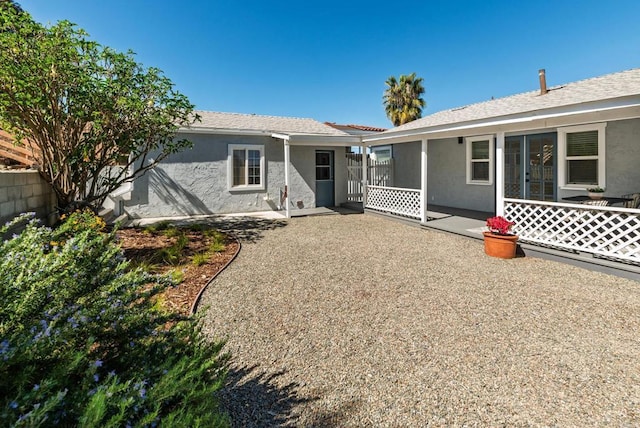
x=95 y=117
x=403 y=99
x=13 y=4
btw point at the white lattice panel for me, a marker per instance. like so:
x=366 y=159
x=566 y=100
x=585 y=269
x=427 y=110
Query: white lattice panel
x=394 y=200
x=604 y=231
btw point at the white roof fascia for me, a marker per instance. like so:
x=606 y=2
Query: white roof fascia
x=294 y=139
x=325 y=140
x=280 y=136
x=623 y=109
x=220 y=131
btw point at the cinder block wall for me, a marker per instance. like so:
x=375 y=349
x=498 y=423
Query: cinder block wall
x=25 y=191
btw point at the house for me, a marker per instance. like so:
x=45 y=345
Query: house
x=521 y=156
x=245 y=163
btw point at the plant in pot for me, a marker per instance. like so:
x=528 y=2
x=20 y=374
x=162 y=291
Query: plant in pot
x=499 y=241
x=595 y=192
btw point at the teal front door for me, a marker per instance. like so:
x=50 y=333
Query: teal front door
x=325 y=186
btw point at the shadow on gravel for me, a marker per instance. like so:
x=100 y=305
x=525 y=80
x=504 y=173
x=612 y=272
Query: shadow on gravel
x=246 y=229
x=254 y=400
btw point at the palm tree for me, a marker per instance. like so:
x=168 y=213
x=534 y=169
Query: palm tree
x=403 y=100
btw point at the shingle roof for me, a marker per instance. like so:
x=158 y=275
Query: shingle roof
x=356 y=127
x=610 y=86
x=253 y=122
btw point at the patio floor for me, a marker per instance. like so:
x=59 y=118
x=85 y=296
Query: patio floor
x=471 y=224
x=349 y=321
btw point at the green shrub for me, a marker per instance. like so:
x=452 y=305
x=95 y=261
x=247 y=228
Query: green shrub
x=217 y=241
x=200 y=259
x=177 y=276
x=172 y=255
x=214 y=234
x=217 y=247
x=156 y=227
x=82 y=343
x=172 y=231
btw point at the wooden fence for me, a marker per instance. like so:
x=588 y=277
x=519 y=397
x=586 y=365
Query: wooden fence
x=20 y=152
x=379 y=173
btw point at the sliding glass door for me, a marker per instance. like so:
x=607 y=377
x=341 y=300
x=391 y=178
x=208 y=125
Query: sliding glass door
x=530 y=170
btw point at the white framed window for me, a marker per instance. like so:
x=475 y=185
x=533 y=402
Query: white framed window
x=381 y=153
x=246 y=167
x=581 y=155
x=480 y=159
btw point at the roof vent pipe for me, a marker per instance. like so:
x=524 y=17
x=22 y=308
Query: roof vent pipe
x=543 y=81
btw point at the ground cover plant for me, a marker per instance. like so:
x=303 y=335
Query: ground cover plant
x=85 y=342
x=191 y=254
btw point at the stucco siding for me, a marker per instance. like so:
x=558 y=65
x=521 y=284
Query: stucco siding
x=446 y=175
x=341 y=174
x=447 y=179
x=303 y=175
x=622 y=155
x=195 y=181
x=406 y=162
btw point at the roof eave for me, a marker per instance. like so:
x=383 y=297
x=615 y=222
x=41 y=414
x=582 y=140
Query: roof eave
x=614 y=109
x=222 y=131
x=318 y=139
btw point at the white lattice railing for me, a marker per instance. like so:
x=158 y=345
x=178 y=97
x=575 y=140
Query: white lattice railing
x=604 y=231
x=405 y=202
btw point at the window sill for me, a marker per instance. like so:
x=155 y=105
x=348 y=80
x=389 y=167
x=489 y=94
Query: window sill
x=246 y=189
x=480 y=183
x=579 y=189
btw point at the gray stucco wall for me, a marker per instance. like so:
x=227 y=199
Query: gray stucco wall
x=623 y=155
x=194 y=181
x=406 y=165
x=303 y=175
x=446 y=172
x=447 y=178
x=446 y=175
x=622 y=145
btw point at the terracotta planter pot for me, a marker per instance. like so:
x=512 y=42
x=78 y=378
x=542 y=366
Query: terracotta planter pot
x=502 y=246
x=595 y=195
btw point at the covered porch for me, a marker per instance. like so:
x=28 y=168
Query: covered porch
x=326 y=175
x=529 y=169
x=591 y=233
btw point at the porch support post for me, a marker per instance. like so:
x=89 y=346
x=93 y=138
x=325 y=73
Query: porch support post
x=423 y=182
x=287 y=159
x=365 y=182
x=499 y=181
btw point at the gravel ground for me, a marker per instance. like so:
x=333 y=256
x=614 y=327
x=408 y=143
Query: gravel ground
x=360 y=321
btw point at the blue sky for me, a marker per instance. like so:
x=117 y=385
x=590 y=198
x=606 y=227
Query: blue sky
x=329 y=59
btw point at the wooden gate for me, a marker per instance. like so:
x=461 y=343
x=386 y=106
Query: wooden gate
x=379 y=173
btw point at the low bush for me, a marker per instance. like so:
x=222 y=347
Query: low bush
x=217 y=241
x=82 y=342
x=199 y=259
x=173 y=254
